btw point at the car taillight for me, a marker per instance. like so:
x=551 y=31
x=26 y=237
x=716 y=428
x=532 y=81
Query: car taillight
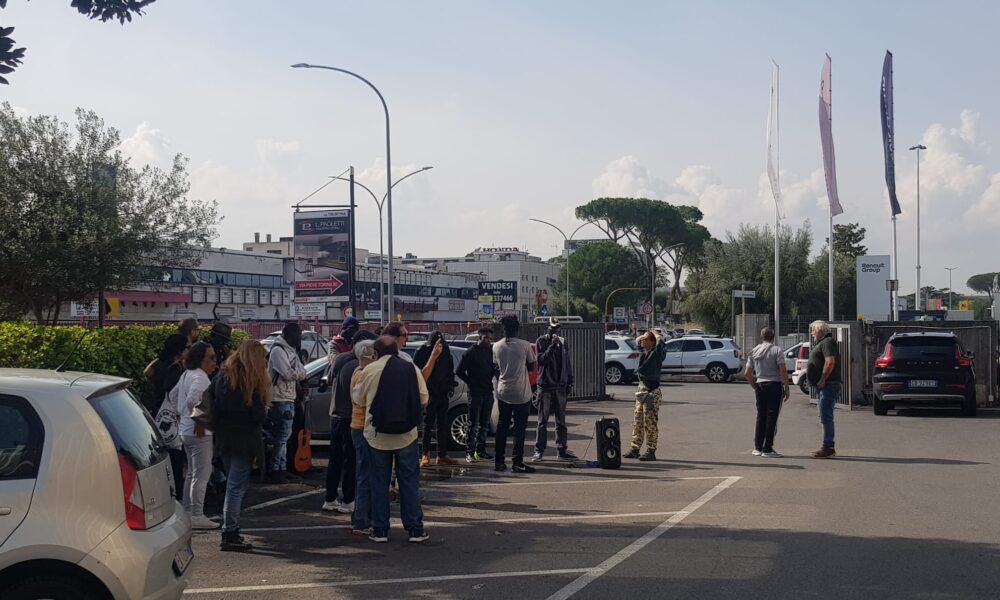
x=960 y=360
x=800 y=364
x=135 y=514
x=884 y=361
x=634 y=355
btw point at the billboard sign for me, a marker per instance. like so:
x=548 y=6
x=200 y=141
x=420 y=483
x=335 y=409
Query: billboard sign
x=502 y=291
x=873 y=296
x=620 y=318
x=323 y=254
x=485 y=307
x=309 y=310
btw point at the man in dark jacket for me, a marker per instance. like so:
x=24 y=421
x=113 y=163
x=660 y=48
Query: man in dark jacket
x=555 y=381
x=646 y=426
x=219 y=338
x=477 y=370
x=344 y=341
x=440 y=380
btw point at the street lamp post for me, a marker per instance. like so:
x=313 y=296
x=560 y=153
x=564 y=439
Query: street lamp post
x=381 y=252
x=918 y=148
x=388 y=161
x=951 y=294
x=567 y=239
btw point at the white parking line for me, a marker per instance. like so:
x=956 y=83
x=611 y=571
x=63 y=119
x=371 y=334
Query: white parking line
x=472 y=522
x=592 y=574
x=337 y=584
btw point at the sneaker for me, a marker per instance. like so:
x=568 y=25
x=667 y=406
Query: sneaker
x=425 y=461
x=331 y=506
x=446 y=460
x=483 y=455
x=500 y=468
x=824 y=453
x=361 y=532
x=345 y=507
x=537 y=456
x=418 y=535
x=203 y=523
x=522 y=469
x=649 y=456
x=232 y=541
x=470 y=457
x=772 y=454
x=633 y=453
x=567 y=455
x=379 y=536
x=756 y=452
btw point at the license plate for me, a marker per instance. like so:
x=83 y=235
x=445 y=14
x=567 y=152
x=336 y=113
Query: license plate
x=923 y=383
x=183 y=559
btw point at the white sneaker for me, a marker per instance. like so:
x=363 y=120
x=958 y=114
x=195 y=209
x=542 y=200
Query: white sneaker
x=756 y=452
x=772 y=454
x=331 y=506
x=347 y=508
x=203 y=523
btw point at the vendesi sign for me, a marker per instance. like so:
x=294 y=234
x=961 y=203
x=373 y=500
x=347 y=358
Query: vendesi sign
x=502 y=291
x=873 y=296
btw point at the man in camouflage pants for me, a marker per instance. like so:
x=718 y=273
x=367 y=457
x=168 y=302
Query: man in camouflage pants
x=648 y=397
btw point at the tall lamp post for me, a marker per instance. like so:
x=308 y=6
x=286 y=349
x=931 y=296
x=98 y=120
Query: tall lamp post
x=381 y=253
x=918 y=148
x=388 y=162
x=951 y=294
x=567 y=239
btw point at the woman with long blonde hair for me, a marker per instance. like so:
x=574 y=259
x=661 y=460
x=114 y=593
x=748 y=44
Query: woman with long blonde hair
x=242 y=395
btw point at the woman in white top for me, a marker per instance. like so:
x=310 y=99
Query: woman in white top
x=199 y=365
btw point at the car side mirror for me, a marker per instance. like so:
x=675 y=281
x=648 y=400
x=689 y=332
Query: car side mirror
x=324 y=384
x=971 y=354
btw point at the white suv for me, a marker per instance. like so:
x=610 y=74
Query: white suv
x=621 y=359
x=718 y=359
x=86 y=500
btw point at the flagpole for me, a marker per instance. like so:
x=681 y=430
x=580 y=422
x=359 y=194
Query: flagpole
x=894 y=294
x=777 y=213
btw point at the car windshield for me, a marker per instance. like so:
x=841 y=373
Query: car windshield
x=918 y=347
x=315 y=365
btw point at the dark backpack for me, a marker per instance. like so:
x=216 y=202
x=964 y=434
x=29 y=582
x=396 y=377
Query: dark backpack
x=396 y=406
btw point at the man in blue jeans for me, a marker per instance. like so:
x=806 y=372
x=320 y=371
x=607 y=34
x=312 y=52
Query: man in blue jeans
x=286 y=371
x=392 y=386
x=823 y=371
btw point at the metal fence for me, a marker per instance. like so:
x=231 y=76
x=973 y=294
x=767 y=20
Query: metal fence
x=586 y=350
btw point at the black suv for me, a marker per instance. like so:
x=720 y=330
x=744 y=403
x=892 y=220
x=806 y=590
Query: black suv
x=926 y=369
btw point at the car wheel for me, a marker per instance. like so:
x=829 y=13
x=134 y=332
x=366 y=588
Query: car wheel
x=614 y=374
x=880 y=407
x=804 y=385
x=717 y=373
x=58 y=587
x=458 y=427
x=969 y=406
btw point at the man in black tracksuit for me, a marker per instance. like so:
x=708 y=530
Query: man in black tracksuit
x=477 y=370
x=440 y=382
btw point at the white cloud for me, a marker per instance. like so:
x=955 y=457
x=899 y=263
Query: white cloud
x=147 y=146
x=627 y=177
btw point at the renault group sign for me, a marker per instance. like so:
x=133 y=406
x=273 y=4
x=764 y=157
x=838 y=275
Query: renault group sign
x=873 y=296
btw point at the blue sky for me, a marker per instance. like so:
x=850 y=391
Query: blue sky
x=528 y=109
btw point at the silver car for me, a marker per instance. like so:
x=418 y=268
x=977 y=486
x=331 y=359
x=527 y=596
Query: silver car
x=86 y=492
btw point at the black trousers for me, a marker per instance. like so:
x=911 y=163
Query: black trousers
x=519 y=414
x=480 y=410
x=769 y=402
x=341 y=470
x=436 y=415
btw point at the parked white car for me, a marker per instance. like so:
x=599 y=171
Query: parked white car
x=718 y=359
x=86 y=492
x=796 y=357
x=621 y=359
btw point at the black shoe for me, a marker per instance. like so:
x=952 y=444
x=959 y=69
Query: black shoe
x=500 y=468
x=649 y=456
x=484 y=455
x=418 y=535
x=232 y=541
x=277 y=477
x=379 y=536
x=522 y=468
x=633 y=453
x=292 y=476
x=567 y=455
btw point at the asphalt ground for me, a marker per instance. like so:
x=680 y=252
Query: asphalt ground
x=910 y=508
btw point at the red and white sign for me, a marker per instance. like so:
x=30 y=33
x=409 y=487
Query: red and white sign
x=330 y=285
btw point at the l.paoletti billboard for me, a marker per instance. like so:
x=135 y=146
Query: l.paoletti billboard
x=323 y=252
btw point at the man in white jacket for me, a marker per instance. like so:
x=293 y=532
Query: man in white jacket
x=286 y=371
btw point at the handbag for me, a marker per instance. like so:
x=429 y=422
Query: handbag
x=167 y=419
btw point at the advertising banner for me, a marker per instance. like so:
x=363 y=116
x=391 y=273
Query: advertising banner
x=873 y=297
x=826 y=138
x=888 y=133
x=501 y=291
x=309 y=310
x=323 y=255
x=485 y=307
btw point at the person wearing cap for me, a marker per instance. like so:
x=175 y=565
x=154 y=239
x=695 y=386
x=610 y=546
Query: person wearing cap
x=219 y=338
x=555 y=382
x=344 y=341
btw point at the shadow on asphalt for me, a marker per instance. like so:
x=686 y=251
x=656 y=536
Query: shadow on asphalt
x=889 y=460
x=945 y=413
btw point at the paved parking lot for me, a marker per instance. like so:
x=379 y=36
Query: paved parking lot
x=909 y=509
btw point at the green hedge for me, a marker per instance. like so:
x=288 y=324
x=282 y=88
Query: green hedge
x=121 y=351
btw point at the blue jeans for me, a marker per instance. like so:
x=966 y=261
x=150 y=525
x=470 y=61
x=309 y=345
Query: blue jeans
x=828 y=397
x=284 y=413
x=237 y=481
x=362 y=517
x=340 y=470
x=408 y=479
x=480 y=410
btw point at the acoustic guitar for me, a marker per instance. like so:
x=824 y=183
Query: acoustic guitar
x=303 y=452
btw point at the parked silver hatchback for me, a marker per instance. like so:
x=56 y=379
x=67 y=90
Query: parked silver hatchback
x=87 y=509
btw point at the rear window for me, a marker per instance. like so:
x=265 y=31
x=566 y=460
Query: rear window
x=915 y=348
x=131 y=428
x=630 y=343
x=715 y=345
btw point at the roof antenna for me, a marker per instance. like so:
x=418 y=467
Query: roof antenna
x=62 y=365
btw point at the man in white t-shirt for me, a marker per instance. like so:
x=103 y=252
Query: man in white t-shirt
x=514 y=358
x=768 y=377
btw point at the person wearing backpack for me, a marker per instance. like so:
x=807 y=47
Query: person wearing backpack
x=196 y=438
x=395 y=394
x=286 y=371
x=163 y=375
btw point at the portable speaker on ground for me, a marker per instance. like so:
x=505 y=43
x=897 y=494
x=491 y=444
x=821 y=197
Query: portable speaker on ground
x=609 y=443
